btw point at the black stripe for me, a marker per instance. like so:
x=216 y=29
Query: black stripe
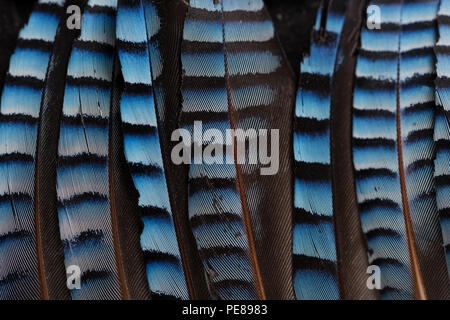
x=443 y=19
x=207 y=184
x=442 y=145
x=420 y=164
x=371 y=84
x=15 y=235
x=370 y=114
x=203 y=83
x=85 y=121
x=198 y=48
x=315 y=171
x=80 y=198
x=88 y=82
x=444 y=213
x=83 y=158
x=138 y=129
x=243 y=15
x=143 y=169
x=206 y=219
x=152 y=256
x=92 y=275
x=12 y=197
x=444 y=50
x=418 y=53
x=41 y=45
x=419 y=107
x=302 y=262
x=370 y=173
x=310 y=125
x=109 y=11
x=419 y=80
x=138 y=89
x=24 y=82
x=208 y=253
x=443 y=180
x=14 y=276
x=16 y=157
x=382 y=232
x=128 y=46
x=155 y=212
x=379 y=142
x=315 y=82
x=83 y=237
x=417 y=26
x=418 y=135
x=302 y=216
x=378 y=55
x=379 y=203
x=18 y=118
x=94 y=46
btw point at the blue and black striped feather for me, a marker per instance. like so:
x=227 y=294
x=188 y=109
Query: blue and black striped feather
x=147 y=113
x=393 y=151
x=442 y=125
x=314 y=246
x=235 y=77
x=329 y=251
x=20 y=250
x=87 y=220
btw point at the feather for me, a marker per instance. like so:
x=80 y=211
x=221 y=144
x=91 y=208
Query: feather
x=148 y=33
x=442 y=125
x=87 y=217
x=47 y=146
x=393 y=150
x=314 y=247
x=21 y=273
x=329 y=250
x=235 y=76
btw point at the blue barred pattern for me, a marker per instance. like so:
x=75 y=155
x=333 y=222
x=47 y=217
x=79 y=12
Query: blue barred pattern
x=84 y=210
x=228 y=61
x=314 y=248
x=393 y=133
x=138 y=26
x=442 y=125
x=19 y=114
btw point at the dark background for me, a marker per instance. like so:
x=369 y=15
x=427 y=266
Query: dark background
x=293 y=21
